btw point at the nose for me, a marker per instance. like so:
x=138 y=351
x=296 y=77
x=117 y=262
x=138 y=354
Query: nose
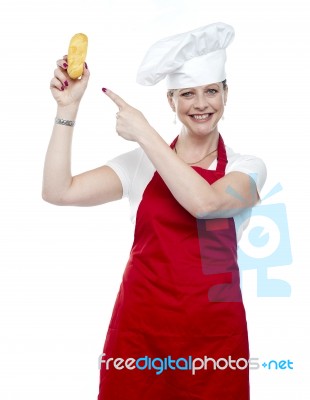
x=201 y=102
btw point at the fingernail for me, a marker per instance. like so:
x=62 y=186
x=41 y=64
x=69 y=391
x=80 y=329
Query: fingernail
x=66 y=83
x=65 y=65
x=62 y=88
x=104 y=89
x=86 y=66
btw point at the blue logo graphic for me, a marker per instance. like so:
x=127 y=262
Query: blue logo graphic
x=278 y=364
x=265 y=244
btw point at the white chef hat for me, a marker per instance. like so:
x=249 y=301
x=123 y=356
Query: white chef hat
x=188 y=59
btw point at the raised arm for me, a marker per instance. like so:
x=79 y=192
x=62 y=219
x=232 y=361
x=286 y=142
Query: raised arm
x=225 y=198
x=90 y=188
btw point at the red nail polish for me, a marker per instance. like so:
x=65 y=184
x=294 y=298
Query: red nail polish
x=65 y=65
x=104 y=89
x=66 y=83
x=86 y=66
x=62 y=88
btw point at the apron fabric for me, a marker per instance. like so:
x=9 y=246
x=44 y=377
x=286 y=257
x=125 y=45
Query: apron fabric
x=180 y=298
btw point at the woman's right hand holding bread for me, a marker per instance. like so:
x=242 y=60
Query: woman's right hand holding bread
x=66 y=91
x=97 y=186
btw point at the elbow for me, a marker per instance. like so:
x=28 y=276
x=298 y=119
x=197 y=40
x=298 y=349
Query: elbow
x=51 y=198
x=46 y=198
x=204 y=210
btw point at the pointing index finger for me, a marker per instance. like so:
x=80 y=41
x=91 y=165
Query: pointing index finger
x=115 y=98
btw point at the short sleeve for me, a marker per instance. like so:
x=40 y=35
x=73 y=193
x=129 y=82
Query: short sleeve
x=250 y=165
x=125 y=166
x=135 y=171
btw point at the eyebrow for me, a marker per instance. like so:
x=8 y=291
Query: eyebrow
x=206 y=86
x=211 y=84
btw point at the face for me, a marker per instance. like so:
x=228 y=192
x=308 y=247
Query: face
x=199 y=108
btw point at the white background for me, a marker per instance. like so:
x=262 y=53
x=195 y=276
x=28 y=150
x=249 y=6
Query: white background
x=61 y=267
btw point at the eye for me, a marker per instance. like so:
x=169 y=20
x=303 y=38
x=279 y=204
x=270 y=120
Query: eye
x=187 y=94
x=212 y=91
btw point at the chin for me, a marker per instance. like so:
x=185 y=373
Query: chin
x=204 y=131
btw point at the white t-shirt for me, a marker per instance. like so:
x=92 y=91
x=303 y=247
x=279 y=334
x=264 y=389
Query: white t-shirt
x=135 y=171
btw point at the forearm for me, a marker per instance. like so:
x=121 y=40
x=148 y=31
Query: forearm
x=226 y=197
x=57 y=175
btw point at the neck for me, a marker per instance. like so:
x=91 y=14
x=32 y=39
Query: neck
x=197 y=144
x=195 y=149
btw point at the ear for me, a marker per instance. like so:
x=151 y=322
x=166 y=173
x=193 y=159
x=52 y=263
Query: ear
x=171 y=102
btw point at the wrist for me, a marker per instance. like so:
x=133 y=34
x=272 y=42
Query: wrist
x=67 y=112
x=148 y=138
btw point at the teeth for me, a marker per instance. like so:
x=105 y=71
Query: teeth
x=204 y=116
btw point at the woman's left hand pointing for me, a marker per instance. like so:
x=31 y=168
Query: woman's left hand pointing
x=130 y=122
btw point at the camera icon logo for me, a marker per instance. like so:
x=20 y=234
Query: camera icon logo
x=265 y=244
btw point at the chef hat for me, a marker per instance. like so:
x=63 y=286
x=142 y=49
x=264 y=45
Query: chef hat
x=188 y=59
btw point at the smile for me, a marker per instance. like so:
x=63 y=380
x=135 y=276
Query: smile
x=201 y=117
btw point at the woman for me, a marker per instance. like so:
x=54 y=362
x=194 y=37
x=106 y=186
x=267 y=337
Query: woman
x=178 y=328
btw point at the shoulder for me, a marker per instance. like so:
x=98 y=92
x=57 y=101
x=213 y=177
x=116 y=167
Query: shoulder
x=237 y=161
x=248 y=164
x=129 y=158
x=130 y=166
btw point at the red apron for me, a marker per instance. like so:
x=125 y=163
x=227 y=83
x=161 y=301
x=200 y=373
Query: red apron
x=179 y=301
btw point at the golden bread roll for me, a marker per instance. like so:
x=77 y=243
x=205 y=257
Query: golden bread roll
x=77 y=55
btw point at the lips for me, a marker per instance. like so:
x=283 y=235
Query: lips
x=201 y=117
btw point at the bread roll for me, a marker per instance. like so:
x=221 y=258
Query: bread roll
x=77 y=55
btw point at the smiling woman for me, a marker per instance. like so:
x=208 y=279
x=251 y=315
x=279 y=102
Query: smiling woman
x=199 y=109
x=183 y=255
x=180 y=293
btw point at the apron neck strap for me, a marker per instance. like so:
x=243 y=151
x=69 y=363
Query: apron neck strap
x=221 y=156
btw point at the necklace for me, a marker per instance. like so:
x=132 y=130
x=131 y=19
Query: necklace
x=192 y=163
